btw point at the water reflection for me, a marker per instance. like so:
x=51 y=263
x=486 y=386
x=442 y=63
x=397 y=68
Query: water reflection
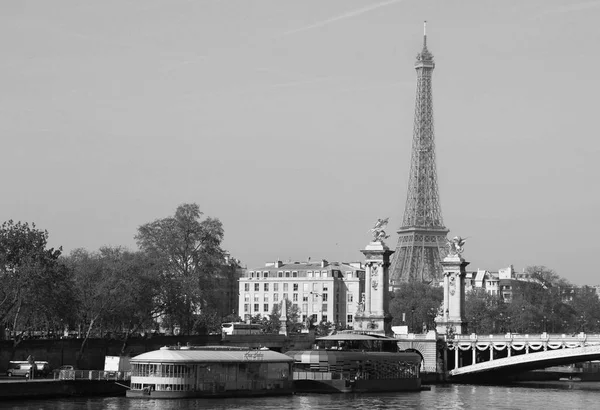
x=526 y=396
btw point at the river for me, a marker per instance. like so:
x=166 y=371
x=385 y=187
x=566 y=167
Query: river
x=577 y=395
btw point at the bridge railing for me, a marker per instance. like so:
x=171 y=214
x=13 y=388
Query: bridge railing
x=92 y=375
x=549 y=337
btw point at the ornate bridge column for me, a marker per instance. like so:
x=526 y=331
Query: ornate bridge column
x=373 y=313
x=453 y=265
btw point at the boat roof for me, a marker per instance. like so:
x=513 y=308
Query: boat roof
x=341 y=356
x=212 y=354
x=355 y=336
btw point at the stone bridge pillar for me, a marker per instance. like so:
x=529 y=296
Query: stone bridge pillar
x=373 y=315
x=452 y=319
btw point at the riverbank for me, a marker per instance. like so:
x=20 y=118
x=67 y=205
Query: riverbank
x=46 y=388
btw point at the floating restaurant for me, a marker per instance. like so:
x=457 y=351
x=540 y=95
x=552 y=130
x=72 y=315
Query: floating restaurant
x=353 y=362
x=210 y=371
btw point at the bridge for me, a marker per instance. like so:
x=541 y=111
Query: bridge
x=477 y=355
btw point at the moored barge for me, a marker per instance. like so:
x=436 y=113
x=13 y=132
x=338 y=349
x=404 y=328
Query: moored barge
x=354 y=363
x=210 y=371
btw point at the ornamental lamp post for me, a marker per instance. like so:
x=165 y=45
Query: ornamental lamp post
x=545 y=324
x=412 y=319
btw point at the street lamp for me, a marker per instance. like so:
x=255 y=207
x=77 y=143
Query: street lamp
x=412 y=319
x=545 y=324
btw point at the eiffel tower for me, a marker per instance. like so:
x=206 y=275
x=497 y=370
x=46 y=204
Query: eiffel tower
x=422 y=236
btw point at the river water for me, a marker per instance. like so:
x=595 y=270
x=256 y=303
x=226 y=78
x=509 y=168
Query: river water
x=576 y=395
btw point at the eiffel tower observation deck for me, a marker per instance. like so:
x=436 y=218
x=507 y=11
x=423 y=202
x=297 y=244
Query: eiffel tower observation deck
x=422 y=236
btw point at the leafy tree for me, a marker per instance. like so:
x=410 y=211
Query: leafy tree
x=188 y=252
x=115 y=290
x=34 y=285
x=484 y=312
x=418 y=303
x=545 y=276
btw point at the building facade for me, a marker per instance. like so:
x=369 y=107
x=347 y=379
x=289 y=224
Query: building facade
x=322 y=291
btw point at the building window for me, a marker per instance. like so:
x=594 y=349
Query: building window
x=315 y=287
x=295 y=287
x=315 y=307
x=275 y=297
x=246 y=297
x=294 y=297
x=285 y=296
x=266 y=287
x=246 y=307
x=257 y=287
x=294 y=305
x=309 y=274
x=256 y=307
x=305 y=287
x=305 y=309
x=349 y=319
x=350 y=298
x=265 y=274
x=324 y=297
x=285 y=287
x=266 y=298
x=280 y=274
x=275 y=287
x=251 y=274
x=325 y=287
x=324 y=318
x=294 y=274
x=324 y=307
x=256 y=297
x=246 y=287
x=305 y=297
x=266 y=307
x=287 y=274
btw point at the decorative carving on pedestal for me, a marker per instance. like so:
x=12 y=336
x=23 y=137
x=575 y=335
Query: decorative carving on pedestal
x=372 y=314
x=452 y=317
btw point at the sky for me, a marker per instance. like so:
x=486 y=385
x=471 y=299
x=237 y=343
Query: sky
x=291 y=122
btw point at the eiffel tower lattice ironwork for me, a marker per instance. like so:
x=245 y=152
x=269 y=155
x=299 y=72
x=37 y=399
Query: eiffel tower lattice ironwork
x=422 y=236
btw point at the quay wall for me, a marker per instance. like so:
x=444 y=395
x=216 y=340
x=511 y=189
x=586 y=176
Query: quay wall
x=59 y=352
x=59 y=388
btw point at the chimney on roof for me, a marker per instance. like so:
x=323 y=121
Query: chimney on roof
x=278 y=264
x=324 y=263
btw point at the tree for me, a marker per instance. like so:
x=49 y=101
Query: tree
x=484 y=312
x=34 y=285
x=416 y=305
x=545 y=276
x=188 y=252
x=115 y=292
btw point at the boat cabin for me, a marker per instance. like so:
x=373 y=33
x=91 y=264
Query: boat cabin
x=210 y=371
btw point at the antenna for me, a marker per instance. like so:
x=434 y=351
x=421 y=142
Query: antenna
x=425 y=34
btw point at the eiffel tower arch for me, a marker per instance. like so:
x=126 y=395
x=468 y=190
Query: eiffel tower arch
x=422 y=236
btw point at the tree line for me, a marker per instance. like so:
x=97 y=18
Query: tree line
x=545 y=302
x=176 y=275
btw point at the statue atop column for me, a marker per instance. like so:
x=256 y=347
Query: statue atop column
x=378 y=230
x=456 y=246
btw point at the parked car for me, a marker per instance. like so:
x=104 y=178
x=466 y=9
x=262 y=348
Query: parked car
x=22 y=368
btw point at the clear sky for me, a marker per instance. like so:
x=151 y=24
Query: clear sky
x=291 y=122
